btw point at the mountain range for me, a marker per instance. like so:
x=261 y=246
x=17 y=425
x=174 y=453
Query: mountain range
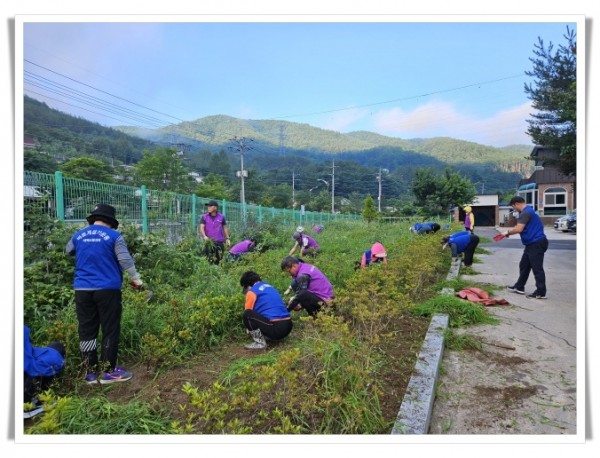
x=274 y=144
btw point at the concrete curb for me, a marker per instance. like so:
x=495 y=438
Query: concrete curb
x=415 y=411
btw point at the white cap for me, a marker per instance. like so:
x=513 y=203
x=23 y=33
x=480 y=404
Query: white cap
x=300 y=229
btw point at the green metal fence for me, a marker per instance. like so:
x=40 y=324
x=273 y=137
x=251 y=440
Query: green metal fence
x=72 y=199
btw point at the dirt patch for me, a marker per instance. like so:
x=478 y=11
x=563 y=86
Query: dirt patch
x=162 y=389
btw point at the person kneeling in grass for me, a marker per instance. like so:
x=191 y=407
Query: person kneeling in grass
x=265 y=313
x=311 y=287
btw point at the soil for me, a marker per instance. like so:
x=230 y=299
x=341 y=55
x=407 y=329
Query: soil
x=163 y=388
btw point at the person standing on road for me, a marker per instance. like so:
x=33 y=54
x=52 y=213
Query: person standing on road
x=101 y=256
x=213 y=229
x=265 y=314
x=531 y=229
x=469 y=219
x=311 y=287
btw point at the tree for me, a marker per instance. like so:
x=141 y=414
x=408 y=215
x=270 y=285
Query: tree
x=162 y=169
x=37 y=162
x=454 y=189
x=369 y=211
x=87 y=168
x=554 y=95
x=213 y=187
x=436 y=193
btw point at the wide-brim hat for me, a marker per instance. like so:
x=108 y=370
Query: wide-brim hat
x=105 y=213
x=378 y=251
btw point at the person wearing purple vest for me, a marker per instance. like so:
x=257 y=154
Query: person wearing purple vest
x=213 y=226
x=311 y=287
x=308 y=246
x=245 y=246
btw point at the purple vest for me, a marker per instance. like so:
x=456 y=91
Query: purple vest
x=240 y=248
x=309 y=242
x=213 y=226
x=319 y=285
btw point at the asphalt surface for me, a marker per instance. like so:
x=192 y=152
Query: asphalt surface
x=526 y=380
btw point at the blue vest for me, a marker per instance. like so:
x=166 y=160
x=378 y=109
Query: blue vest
x=96 y=264
x=41 y=361
x=269 y=302
x=462 y=240
x=534 y=229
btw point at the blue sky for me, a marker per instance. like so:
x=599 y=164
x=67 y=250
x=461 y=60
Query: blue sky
x=402 y=79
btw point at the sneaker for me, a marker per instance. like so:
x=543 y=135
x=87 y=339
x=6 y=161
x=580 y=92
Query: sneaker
x=117 y=375
x=515 y=290
x=536 y=295
x=37 y=409
x=256 y=346
x=91 y=379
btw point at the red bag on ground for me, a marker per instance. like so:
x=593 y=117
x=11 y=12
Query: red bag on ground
x=479 y=296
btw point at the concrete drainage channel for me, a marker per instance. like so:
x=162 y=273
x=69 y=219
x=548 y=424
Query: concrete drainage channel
x=415 y=411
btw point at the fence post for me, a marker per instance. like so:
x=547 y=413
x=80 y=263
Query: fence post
x=60 y=196
x=193 y=212
x=144 y=210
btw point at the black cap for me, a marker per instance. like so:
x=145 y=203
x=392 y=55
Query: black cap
x=212 y=203
x=103 y=212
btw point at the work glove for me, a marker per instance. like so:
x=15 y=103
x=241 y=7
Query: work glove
x=136 y=284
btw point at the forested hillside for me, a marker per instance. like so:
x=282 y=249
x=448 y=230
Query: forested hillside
x=289 y=154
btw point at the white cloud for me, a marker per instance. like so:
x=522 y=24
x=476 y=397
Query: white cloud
x=442 y=119
x=342 y=121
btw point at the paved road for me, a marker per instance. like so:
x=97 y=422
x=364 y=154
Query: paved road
x=531 y=386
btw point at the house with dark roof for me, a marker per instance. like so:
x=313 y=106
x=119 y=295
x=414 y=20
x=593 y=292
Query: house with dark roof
x=550 y=192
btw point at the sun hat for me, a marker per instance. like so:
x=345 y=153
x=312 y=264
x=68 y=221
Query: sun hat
x=378 y=251
x=468 y=209
x=103 y=212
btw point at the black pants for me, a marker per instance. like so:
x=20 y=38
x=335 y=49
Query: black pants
x=533 y=260
x=468 y=252
x=214 y=253
x=273 y=330
x=95 y=310
x=308 y=301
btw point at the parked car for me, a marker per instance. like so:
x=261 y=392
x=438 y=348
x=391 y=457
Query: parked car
x=572 y=224
x=562 y=223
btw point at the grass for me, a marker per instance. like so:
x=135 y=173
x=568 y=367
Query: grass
x=330 y=376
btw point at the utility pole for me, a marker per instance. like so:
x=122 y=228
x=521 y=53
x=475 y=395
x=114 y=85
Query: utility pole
x=293 y=189
x=379 y=194
x=242 y=173
x=333 y=187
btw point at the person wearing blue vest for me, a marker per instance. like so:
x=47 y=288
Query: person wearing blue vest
x=464 y=243
x=101 y=256
x=265 y=313
x=531 y=229
x=41 y=365
x=425 y=228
